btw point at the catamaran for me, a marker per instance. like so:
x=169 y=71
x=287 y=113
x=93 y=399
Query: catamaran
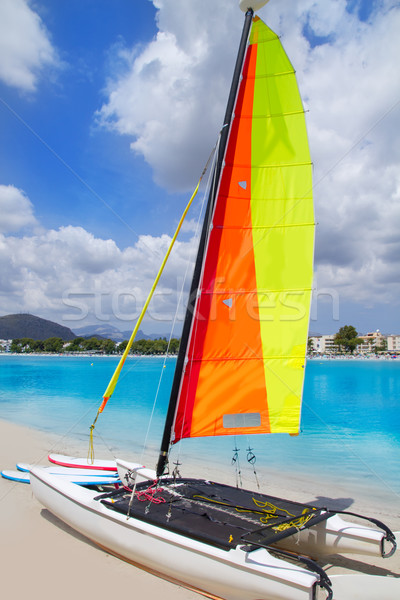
x=239 y=371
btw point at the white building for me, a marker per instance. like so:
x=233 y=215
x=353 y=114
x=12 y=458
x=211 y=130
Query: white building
x=5 y=344
x=324 y=344
x=371 y=341
x=393 y=343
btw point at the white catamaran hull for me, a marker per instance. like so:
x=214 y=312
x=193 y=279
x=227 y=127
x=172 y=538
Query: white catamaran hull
x=231 y=575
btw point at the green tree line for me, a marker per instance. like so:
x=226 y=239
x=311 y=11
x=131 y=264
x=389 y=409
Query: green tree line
x=58 y=346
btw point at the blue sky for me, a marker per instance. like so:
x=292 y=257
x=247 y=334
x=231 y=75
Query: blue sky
x=57 y=120
x=108 y=111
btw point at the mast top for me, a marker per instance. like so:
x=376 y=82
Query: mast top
x=254 y=5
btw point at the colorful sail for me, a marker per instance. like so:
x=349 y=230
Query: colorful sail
x=244 y=364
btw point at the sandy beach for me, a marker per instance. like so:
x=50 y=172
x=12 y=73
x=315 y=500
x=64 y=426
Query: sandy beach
x=43 y=558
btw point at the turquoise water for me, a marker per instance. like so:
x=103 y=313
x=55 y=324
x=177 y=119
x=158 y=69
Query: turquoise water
x=350 y=419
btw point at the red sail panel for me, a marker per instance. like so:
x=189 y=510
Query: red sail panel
x=224 y=362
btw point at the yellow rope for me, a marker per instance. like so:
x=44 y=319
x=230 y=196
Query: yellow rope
x=113 y=381
x=90 y=456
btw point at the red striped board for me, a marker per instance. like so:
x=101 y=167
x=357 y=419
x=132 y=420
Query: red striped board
x=82 y=463
x=68 y=471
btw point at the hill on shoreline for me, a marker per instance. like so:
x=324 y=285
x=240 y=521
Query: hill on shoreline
x=23 y=325
x=28 y=326
x=106 y=331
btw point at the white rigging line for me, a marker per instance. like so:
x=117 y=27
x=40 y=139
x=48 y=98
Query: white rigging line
x=193 y=332
x=179 y=303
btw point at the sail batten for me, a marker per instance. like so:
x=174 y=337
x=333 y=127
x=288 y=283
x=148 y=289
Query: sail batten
x=239 y=359
x=227 y=291
x=277 y=115
x=265 y=227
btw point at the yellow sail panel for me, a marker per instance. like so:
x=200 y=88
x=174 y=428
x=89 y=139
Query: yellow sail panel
x=283 y=227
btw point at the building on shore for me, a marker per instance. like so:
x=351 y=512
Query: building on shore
x=393 y=343
x=5 y=345
x=324 y=344
x=373 y=342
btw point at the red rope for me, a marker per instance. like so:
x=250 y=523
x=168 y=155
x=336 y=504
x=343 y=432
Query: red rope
x=149 y=494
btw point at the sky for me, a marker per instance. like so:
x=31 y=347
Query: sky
x=108 y=113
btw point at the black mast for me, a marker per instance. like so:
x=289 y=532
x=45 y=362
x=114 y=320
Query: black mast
x=200 y=253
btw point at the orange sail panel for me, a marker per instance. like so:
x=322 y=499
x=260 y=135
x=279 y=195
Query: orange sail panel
x=244 y=365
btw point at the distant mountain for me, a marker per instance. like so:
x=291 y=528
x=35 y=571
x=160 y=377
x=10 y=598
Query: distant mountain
x=113 y=333
x=109 y=332
x=23 y=325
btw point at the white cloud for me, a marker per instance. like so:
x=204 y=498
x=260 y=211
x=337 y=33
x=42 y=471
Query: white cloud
x=352 y=93
x=72 y=277
x=16 y=210
x=190 y=226
x=25 y=47
x=171 y=101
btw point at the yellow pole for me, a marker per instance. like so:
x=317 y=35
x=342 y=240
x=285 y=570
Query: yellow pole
x=113 y=381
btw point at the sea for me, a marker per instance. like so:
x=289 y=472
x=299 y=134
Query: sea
x=350 y=428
